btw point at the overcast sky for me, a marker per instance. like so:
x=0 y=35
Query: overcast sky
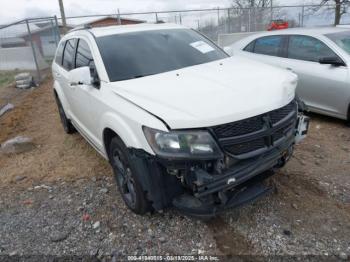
x=13 y=10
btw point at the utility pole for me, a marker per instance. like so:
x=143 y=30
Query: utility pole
x=119 y=20
x=302 y=16
x=63 y=16
x=218 y=16
x=271 y=10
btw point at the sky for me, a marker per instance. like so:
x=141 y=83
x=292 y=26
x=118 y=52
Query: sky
x=14 y=10
x=18 y=9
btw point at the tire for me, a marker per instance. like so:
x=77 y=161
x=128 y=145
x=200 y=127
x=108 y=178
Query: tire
x=128 y=184
x=347 y=121
x=66 y=123
x=22 y=76
x=24 y=82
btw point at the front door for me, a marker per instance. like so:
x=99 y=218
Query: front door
x=319 y=85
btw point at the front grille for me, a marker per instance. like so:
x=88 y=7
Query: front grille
x=246 y=147
x=248 y=125
x=281 y=113
x=252 y=135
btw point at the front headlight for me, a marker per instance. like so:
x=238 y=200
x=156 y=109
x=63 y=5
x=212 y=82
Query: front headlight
x=182 y=144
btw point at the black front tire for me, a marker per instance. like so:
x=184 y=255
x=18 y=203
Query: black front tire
x=66 y=123
x=128 y=184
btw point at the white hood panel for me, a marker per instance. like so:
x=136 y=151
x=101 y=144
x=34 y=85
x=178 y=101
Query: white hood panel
x=205 y=95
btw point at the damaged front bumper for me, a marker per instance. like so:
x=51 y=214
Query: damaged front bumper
x=201 y=189
x=235 y=187
x=207 y=194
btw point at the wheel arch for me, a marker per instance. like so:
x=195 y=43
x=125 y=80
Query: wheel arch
x=57 y=90
x=107 y=136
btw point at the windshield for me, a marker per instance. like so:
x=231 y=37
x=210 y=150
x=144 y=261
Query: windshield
x=342 y=39
x=134 y=55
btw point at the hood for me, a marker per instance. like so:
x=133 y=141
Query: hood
x=209 y=94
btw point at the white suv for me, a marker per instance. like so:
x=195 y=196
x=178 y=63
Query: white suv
x=180 y=121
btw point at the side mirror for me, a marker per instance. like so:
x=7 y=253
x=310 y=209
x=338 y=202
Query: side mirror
x=80 y=76
x=333 y=60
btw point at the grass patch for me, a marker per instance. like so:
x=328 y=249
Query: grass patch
x=6 y=78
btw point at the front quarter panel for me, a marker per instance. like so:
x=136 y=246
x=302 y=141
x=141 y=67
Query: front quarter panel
x=126 y=120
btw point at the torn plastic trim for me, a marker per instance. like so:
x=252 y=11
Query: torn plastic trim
x=234 y=178
x=159 y=186
x=194 y=207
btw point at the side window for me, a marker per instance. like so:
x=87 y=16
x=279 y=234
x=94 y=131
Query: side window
x=250 y=47
x=269 y=45
x=84 y=56
x=308 y=48
x=59 y=53
x=68 y=55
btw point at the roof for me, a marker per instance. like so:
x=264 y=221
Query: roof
x=17 y=30
x=20 y=30
x=120 y=29
x=11 y=41
x=305 y=30
x=114 y=17
x=343 y=26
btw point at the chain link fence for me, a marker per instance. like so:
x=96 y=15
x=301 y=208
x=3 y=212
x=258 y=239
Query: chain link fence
x=213 y=22
x=28 y=46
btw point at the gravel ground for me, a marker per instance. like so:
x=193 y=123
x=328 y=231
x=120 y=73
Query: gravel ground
x=61 y=199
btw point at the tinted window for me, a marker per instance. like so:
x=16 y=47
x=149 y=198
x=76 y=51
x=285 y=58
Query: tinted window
x=59 y=53
x=68 y=55
x=83 y=56
x=308 y=48
x=250 y=47
x=269 y=45
x=133 y=55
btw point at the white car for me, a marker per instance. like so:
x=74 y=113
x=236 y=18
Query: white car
x=319 y=56
x=180 y=121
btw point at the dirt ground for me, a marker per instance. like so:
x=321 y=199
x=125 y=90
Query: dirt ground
x=60 y=198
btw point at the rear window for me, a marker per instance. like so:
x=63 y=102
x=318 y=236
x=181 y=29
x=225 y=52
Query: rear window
x=269 y=45
x=250 y=47
x=133 y=55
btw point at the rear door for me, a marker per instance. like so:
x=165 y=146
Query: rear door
x=319 y=85
x=267 y=49
x=62 y=73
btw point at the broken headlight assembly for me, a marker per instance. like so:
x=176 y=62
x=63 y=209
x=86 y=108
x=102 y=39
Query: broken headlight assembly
x=183 y=144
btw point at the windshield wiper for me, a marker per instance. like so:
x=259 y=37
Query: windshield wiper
x=138 y=76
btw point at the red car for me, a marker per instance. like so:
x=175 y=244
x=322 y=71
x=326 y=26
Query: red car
x=278 y=25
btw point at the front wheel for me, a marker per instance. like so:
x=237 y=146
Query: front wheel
x=128 y=184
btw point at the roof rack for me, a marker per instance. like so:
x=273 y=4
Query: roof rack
x=81 y=27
